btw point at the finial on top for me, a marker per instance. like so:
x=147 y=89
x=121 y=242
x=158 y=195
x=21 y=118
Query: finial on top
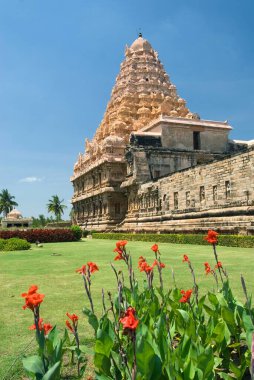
x=140 y=34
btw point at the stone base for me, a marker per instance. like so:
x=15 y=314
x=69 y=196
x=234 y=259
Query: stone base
x=230 y=221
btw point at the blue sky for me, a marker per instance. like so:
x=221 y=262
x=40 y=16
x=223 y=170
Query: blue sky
x=58 y=64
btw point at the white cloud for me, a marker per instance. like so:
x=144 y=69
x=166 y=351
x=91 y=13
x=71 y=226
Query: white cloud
x=31 y=179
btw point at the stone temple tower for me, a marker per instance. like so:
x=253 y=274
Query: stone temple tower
x=142 y=92
x=144 y=106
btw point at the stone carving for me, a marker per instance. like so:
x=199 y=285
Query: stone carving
x=202 y=193
x=228 y=189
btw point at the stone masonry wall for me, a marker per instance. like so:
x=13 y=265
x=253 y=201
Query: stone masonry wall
x=219 y=193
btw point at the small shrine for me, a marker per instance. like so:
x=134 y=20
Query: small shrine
x=14 y=219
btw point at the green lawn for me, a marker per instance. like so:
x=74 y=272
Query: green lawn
x=52 y=268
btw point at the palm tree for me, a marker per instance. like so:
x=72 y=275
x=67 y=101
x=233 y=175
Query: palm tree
x=56 y=207
x=6 y=202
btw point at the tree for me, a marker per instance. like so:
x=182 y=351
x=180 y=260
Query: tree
x=56 y=207
x=7 y=202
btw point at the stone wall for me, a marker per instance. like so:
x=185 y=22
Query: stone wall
x=216 y=194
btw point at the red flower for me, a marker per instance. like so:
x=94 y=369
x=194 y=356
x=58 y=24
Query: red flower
x=32 y=300
x=144 y=267
x=129 y=321
x=33 y=289
x=186 y=259
x=155 y=248
x=121 y=244
x=92 y=267
x=212 y=237
x=81 y=270
x=69 y=326
x=219 y=265
x=119 y=256
x=33 y=327
x=73 y=317
x=46 y=327
x=185 y=295
x=156 y=262
x=207 y=268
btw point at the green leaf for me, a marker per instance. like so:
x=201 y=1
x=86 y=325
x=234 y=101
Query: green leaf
x=228 y=316
x=219 y=332
x=189 y=370
x=33 y=364
x=103 y=343
x=237 y=371
x=185 y=347
x=102 y=363
x=103 y=377
x=213 y=299
x=53 y=373
x=184 y=314
x=209 y=311
x=92 y=319
x=206 y=362
x=145 y=357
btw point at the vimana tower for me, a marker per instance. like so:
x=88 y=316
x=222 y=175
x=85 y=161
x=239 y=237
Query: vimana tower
x=153 y=165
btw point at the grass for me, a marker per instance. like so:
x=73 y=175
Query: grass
x=52 y=268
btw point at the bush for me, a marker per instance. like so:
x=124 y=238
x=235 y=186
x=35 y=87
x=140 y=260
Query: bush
x=2 y=244
x=225 y=240
x=77 y=231
x=14 y=244
x=85 y=233
x=42 y=235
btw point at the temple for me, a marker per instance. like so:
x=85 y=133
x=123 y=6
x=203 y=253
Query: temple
x=153 y=165
x=14 y=219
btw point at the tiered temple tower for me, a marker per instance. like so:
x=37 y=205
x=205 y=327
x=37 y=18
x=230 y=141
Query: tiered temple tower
x=142 y=93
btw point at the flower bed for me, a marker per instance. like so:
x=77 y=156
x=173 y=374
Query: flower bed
x=152 y=332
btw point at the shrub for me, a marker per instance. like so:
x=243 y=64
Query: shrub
x=42 y=235
x=14 y=244
x=77 y=231
x=225 y=240
x=2 y=244
x=85 y=233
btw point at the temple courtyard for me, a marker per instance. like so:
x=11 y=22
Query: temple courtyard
x=52 y=267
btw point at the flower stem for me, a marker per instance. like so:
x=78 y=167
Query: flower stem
x=88 y=292
x=216 y=258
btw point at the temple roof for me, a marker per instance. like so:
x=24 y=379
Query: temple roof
x=140 y=44
x=142 y=92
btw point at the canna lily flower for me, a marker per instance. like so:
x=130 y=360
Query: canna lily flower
x=208 y=268
x=212 y=237
x=81 y=270
x=121 y=244
x=161 y=265
x=186 y=259
x=33 y=289
x=46 y=327
x=129 y=321
x=73 y=317
x=143 y=266
x=155 y=248
x=67 y=323
x=185 y=296
x=92 y=267
x=119 y=255
x=218 y=265
x=72 y=327
x=32 y=299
